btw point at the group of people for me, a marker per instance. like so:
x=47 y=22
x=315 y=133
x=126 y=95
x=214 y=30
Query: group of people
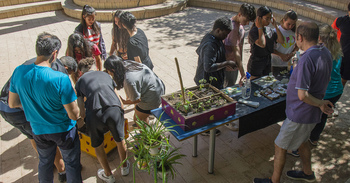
x=48 y=108
x=315 y=85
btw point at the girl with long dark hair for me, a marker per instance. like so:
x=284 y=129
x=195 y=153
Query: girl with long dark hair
x=120 y=37
x=141 y=85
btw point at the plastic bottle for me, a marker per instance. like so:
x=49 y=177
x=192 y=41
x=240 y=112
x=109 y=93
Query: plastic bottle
x=246 y=89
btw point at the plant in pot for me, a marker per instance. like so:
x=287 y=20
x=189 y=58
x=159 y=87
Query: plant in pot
x=153 y=135
x=165 y=163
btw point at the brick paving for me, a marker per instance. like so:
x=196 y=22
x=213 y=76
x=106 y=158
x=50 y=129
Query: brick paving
x=175 y=35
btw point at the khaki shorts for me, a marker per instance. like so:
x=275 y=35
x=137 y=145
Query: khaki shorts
x=292 y=134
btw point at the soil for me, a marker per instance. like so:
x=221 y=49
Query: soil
x=197 y=100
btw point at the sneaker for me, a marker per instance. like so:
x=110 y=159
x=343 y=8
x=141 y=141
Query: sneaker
x=294 y=153
x=300 y=175
x=313 y=142
x=258 y=180
x=232 y=126
x=125 y=170
x=62 y=177
x=217 y=133
x=108 y=179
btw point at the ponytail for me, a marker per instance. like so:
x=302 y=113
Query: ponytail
x=329 y=37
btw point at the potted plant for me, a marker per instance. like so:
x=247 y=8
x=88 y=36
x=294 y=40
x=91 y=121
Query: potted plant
x=165 y=164
x=153 y=135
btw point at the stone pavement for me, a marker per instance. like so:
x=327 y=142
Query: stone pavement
x=176 y=35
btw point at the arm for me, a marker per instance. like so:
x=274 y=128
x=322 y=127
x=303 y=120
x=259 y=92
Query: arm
x=121 y=102
x=81 y=106
x=111 y=51
x=14 y=101
x=102 y=45
x=98 y=62
x=128 y=101
x=280 y=37
x=324 y=105
x=72 y=110
x=284 y=57
x=209 y=57
x=261 y=42
x=138 y=59
x=237 y=53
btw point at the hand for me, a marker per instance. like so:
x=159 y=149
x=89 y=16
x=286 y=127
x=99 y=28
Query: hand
x=241 y=81
x=80 y=122
x=327 y=107
x=274 y=23
x=121 y=98
x=258 y=22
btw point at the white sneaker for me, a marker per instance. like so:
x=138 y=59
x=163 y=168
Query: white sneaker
x=125 y=170
x=232 y=126
x=108 y=179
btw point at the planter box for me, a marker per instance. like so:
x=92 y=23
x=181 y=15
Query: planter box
x=109 y=143
x=198 y=119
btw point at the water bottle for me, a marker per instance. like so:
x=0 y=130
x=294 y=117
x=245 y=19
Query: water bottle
x=246 y=89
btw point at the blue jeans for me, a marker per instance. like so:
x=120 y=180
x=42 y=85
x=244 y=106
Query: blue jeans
x=69 y=145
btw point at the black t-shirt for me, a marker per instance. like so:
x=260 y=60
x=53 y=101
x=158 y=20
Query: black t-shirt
x=343 y=23
x=98 y=88
x=270 y=37
x=138 y=46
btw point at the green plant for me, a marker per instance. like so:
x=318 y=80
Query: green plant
x=190 y=94
x=211 y=78
x=173 y=95
x=167 y=160
x=201 y=106
x=202 y=83
x=178 y=104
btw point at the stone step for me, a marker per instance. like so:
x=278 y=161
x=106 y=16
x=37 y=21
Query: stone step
x=29 y=8
x=115 y=4
x=235 y=5
x=168 y=7
x=15 y=2
x=337 y=4
x=309 y=10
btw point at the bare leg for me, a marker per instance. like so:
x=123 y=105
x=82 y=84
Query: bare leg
x=343 y=81
x=305 y=156
x=102 y=158
x=122 y=151
x=59 y=163
x=142 y=116
x=279 y=161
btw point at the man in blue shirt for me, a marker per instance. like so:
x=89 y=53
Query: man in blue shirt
x=49 y=103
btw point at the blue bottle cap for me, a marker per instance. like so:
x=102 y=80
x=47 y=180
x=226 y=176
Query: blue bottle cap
x=247 y=75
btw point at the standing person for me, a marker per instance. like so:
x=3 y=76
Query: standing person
x=137 y=47
x=79 y=48
x=335 y=87
x=141 y=85
x=234 y=42
x=17 y=118
x=212 y=60
x=103 y=111
x=49 y=103
x=304 y=104
x=262 y=39
x=120 y=37
x=91 y=30
x=342 y=24
x=283 y=53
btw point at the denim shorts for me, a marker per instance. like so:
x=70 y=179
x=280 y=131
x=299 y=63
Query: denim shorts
x=292 y=134
x=19 y=121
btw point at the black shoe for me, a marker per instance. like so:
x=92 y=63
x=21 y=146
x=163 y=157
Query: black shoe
x=62 y=177
x=217 y=133
x=258 y=180
x=294 y=153
x=300 y=175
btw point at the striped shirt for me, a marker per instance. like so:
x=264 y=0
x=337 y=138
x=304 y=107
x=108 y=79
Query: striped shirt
x=92 y=36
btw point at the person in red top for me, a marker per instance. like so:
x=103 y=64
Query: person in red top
x=342 y=24
x=91 y=30
x=79 y=48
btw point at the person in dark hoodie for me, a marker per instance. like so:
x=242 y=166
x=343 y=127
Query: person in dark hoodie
x=211 y=54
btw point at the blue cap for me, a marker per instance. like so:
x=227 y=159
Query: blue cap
x=248 y=75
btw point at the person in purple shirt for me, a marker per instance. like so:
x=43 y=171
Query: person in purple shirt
x=304 y=105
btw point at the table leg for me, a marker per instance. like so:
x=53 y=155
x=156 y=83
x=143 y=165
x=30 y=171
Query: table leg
x=195 y=142
x=211 y=151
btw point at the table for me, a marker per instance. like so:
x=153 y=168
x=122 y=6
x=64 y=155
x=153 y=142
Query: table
x=249 y=121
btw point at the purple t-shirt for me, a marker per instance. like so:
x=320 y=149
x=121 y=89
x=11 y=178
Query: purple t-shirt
x=312 y=74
